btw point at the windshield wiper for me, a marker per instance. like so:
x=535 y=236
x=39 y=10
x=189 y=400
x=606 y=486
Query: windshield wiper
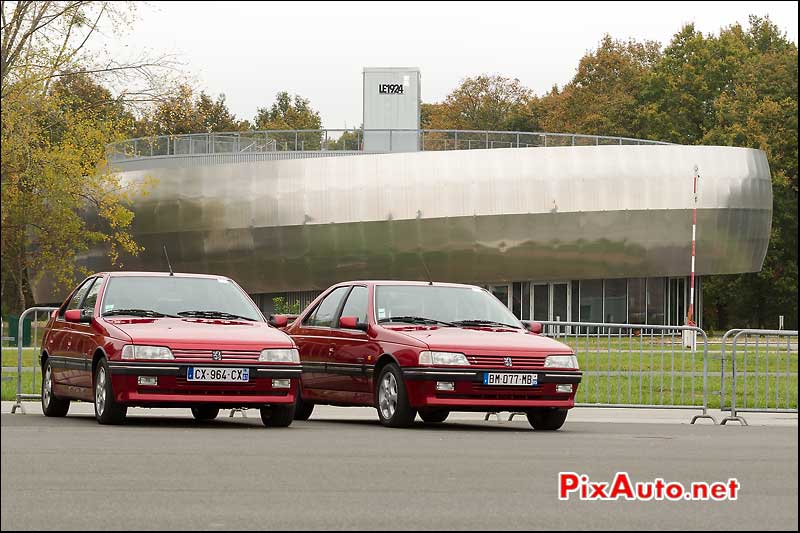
x=138 y=312
x=476 y=322
x=214 y=314
x=414 y=320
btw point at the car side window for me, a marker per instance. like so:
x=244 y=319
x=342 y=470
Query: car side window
x=75 y=301
x=357 y=304
x=91 y=296
x=325 y=312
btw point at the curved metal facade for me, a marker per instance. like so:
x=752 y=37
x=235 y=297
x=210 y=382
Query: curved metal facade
x=278 y=222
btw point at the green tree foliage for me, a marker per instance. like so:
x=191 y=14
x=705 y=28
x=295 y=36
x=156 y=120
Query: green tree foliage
x=736 y=88
x=288 y=113
x=58 y=197
x=481 y=103
x=605 y=95
x=188 y=112
x=282 y=306
x=57 y=200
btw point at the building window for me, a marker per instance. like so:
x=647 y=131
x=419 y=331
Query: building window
x=616 y=301
x=637 y=304
x=541 y=301
x=501 y=292
x=591 y=299
x=516 y=299
x=526 y=301
x=655 y=301
x=576 y=307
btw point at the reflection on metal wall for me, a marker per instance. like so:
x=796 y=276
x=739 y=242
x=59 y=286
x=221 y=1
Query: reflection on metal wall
x=588 y=212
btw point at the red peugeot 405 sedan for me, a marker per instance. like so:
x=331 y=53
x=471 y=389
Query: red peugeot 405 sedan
x=160 y=340
x=428 y=348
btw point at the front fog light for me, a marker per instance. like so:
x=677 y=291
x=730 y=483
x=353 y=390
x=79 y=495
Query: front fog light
x=445 y=386
x=564 y=388
x=149 y=381
x=281 y=383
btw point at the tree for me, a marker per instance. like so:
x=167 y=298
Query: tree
x=605 y=95
x=185 y=112
x=58 y=198
x=45 y=40
x=288 y=113
x=480 y=103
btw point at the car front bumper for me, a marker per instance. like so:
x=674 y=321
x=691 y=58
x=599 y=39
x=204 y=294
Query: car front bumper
x=470 y=394
x=173 y=388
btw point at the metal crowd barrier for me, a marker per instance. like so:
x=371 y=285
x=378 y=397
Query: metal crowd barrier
x=34 y=366
x=638 y=365
x=759 y=368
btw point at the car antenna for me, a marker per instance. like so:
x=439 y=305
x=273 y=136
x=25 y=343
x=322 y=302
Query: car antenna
x=171 y=273
x=430 y=278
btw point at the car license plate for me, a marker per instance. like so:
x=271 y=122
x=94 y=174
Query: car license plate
x=229 y=375
x=508 y=379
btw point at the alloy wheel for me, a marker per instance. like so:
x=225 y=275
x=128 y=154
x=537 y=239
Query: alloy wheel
x=47 y=390
x=387 y=396
x=100 y=391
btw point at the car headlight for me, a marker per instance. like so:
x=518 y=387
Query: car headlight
x=136 y=351
x=443 y=358
x=561 y=361
x=283 y=355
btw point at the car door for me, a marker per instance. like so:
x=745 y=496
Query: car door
x=84 y=335
x=354 y=353
x=66 y=363
x=315 y=340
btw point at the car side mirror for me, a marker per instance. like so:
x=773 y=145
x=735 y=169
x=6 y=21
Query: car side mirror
x=351 y=322
x=79 y=315
x=533 y=327
x=278 y=321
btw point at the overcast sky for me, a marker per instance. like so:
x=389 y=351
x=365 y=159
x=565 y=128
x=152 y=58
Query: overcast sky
x=251 y=50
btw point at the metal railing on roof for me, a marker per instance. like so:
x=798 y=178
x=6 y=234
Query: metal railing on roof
x=348 y=140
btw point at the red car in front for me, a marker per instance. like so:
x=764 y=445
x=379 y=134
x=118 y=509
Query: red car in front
x=160 y=340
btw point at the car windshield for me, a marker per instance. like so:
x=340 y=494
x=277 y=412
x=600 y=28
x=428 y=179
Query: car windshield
x=155 y=296
x=462 y=306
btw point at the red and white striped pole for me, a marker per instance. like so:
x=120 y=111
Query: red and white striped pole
x=690 y=313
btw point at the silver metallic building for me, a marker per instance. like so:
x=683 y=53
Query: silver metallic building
x=558 y=226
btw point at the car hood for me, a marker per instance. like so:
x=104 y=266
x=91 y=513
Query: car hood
x=477 y=340
x=198 y=333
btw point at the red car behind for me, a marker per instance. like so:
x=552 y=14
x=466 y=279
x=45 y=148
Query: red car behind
x=414 y=347
x=160 y=340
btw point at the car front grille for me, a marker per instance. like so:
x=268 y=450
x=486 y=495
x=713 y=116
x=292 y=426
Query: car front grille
x=499 y=361
x=181 y=354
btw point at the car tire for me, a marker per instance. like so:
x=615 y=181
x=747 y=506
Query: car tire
x=548 y=419
x=205 y=413
x=277 y=416
x=51 y=404
x=302 y=410
x=391 y=399
x=434 y=416
x=106 y=409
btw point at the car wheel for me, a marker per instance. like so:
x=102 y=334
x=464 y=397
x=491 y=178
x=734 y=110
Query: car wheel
x=434 y=416
x=106 y=409
x=51 y=405
x=205 y=413
x=391 y=399
x=302 y=410
x=548 y=419
x=277 y=416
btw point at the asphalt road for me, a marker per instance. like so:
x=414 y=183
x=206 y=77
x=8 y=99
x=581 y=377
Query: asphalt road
x=173 y=473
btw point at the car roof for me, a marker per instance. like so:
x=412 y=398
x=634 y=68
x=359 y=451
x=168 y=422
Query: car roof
x=401 y=282
x=116 y=274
